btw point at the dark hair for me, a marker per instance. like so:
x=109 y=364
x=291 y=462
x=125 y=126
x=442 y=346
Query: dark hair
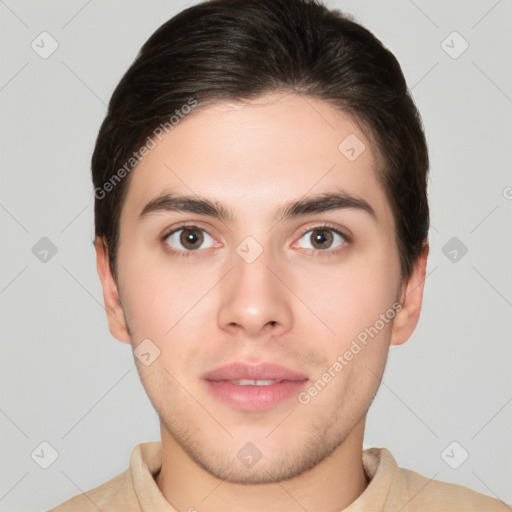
x=237 y=50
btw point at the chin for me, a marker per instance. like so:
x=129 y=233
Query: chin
x=249 y=466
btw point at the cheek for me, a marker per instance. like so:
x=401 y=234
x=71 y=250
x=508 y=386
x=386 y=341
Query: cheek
x=166 y=305
x=352 y=296
x=153 y=302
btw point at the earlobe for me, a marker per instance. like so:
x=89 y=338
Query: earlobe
x=115 y=314
x=411 y=299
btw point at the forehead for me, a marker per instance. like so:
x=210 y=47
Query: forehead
x=258 y=154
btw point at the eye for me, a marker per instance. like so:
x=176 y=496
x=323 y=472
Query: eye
x=323 y=238
x=188 y=238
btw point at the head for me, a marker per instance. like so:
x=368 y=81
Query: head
x=303 y=237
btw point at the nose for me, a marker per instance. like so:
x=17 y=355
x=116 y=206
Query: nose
x=254 y=301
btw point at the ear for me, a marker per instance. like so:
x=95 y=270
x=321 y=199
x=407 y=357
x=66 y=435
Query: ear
x=411 y=297
x=115 y=314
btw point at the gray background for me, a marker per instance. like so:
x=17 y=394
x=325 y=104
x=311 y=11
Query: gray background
x=66 y=381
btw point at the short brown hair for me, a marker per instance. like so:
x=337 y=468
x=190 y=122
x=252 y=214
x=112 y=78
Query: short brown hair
x=241 y=49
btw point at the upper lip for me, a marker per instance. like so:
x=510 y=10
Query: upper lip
x=260 y=371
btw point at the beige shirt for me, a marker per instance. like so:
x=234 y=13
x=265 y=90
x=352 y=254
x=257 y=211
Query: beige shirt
x=391 y=489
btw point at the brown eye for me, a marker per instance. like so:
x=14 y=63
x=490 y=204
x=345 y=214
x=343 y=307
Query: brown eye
x=191 y=239
x=323 y=238
x=188 y=239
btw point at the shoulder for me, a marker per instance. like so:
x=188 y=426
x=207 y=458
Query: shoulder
x=126 y=491
x=118 y=492
x=397 y=488
x=423 y=493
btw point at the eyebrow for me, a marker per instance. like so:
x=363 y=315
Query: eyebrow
x=327 y=201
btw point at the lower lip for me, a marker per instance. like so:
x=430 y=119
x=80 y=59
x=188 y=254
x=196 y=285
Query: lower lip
x=255 y=398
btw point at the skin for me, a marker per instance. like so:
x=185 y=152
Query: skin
x=296 y=304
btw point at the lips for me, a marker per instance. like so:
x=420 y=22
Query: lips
x=261 y=371
x=254 y=387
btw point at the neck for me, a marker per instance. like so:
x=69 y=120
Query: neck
x=331 y=485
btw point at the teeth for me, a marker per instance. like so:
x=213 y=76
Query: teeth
x=250 y=382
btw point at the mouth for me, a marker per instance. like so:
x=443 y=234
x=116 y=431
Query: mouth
x=251 y=382
x=254 y=387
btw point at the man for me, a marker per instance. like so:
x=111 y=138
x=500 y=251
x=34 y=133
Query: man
x=262 y=237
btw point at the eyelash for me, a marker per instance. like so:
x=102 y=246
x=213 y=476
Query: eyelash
x=316 y=253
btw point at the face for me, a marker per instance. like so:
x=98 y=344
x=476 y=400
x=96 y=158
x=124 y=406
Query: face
x=254 y=311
